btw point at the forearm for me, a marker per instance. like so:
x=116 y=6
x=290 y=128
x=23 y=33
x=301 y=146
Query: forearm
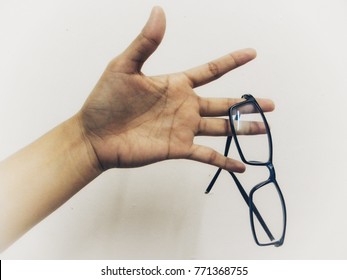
x=41 y=177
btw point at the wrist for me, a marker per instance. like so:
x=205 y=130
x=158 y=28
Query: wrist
x=85 y=151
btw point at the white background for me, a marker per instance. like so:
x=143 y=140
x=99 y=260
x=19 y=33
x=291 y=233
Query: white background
x=92 y=270
x=53 y=52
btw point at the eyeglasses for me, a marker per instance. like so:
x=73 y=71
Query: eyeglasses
x=253 y=141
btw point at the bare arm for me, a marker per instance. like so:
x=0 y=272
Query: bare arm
x=128 y=120
x=39 y=178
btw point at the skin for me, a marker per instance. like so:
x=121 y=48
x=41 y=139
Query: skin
x=128 y=120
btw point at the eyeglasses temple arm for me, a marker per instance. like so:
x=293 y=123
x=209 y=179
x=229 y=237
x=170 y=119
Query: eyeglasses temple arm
x=215 y=177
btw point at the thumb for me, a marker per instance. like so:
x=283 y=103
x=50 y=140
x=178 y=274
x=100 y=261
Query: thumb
x=132 y=59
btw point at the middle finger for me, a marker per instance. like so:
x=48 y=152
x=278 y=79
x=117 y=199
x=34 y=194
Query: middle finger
x=215 y=107
x=221 y=127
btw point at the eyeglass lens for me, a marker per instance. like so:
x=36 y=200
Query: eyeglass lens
x=269 y=204
x=251 y=133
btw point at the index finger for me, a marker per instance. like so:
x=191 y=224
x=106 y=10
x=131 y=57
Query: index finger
x=213 y=70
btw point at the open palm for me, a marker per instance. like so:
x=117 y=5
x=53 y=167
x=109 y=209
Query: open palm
x=133 y=120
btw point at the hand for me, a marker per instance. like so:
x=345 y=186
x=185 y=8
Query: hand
x=131 y=120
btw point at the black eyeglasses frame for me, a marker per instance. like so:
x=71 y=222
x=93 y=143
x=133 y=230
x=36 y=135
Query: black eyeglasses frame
x=249 y=99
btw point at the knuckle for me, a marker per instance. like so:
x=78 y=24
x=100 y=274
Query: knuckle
x=203 y=127
x=149 y=40
x=235 y=60
x=227 y=128
x=214 y=69
x=213 y=157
